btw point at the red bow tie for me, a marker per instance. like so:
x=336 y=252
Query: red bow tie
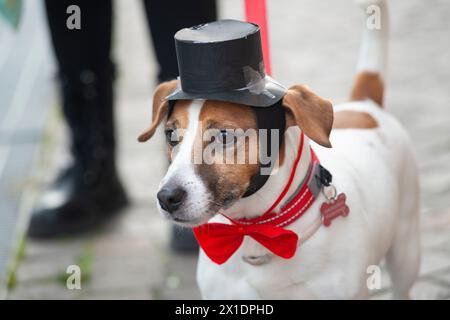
x=220 y=241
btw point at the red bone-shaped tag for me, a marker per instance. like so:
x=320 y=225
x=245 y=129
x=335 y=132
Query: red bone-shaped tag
x=333 y=209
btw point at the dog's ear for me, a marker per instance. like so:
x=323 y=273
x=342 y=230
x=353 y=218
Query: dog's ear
x=160 y=107
x=310 y=112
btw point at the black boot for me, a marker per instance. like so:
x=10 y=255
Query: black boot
x=90 y=192
x=81 y=204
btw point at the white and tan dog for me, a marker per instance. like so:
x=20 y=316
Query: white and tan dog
x=372 y=162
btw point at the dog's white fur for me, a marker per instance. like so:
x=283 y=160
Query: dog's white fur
x=373 y=51
x=377 y=171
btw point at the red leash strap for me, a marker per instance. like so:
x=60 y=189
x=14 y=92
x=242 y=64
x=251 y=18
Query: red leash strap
x=256 y=12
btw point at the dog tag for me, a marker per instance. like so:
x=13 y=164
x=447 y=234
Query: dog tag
x=334 y=208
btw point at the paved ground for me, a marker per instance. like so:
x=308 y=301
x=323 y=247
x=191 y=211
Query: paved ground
x=314 y=42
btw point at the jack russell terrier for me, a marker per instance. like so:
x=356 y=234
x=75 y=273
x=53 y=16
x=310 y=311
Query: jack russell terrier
x=314 y=227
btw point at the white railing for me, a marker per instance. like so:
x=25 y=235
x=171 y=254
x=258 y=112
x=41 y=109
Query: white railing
x=24 y=73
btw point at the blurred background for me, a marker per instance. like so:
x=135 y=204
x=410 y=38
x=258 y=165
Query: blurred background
x=312 y=42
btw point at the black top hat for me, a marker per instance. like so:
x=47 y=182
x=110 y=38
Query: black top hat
x=223 y=61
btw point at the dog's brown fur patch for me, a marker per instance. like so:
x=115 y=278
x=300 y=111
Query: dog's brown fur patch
x=349 y=119
x=227 y=181
x=159 y=108
x=227 y=114
x=179 y=119
x=179 y=114
x=368 y=85
x=310 y=112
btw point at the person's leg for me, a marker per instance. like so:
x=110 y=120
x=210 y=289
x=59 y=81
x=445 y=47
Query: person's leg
x=86 y=75
x=85 y=71
x=165 y=18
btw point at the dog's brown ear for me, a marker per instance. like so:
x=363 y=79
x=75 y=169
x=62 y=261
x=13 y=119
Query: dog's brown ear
x=310 y=112
x=160 y=107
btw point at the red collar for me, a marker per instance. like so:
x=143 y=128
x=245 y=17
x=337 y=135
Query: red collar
x=220 y=241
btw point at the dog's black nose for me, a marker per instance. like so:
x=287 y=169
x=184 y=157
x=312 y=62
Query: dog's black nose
x=171 y=199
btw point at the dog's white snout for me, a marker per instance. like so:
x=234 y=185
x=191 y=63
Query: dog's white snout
x=182 y=196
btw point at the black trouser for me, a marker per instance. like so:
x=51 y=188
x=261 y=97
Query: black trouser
x=86 y=69
x=91 y=45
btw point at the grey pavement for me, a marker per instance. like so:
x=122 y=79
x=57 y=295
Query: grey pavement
x=313 y=42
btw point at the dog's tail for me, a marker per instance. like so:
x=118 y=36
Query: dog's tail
x=371 y=69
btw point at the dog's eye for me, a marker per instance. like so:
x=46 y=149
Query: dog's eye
x=225 y=137
x=172 y=137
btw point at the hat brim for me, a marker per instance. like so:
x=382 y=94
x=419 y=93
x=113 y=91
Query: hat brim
x=269 y=93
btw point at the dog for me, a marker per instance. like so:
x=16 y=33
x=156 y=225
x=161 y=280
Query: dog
x=372 y=163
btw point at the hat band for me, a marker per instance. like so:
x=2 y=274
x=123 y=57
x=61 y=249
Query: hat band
x=197 y=85
x=245 y=79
